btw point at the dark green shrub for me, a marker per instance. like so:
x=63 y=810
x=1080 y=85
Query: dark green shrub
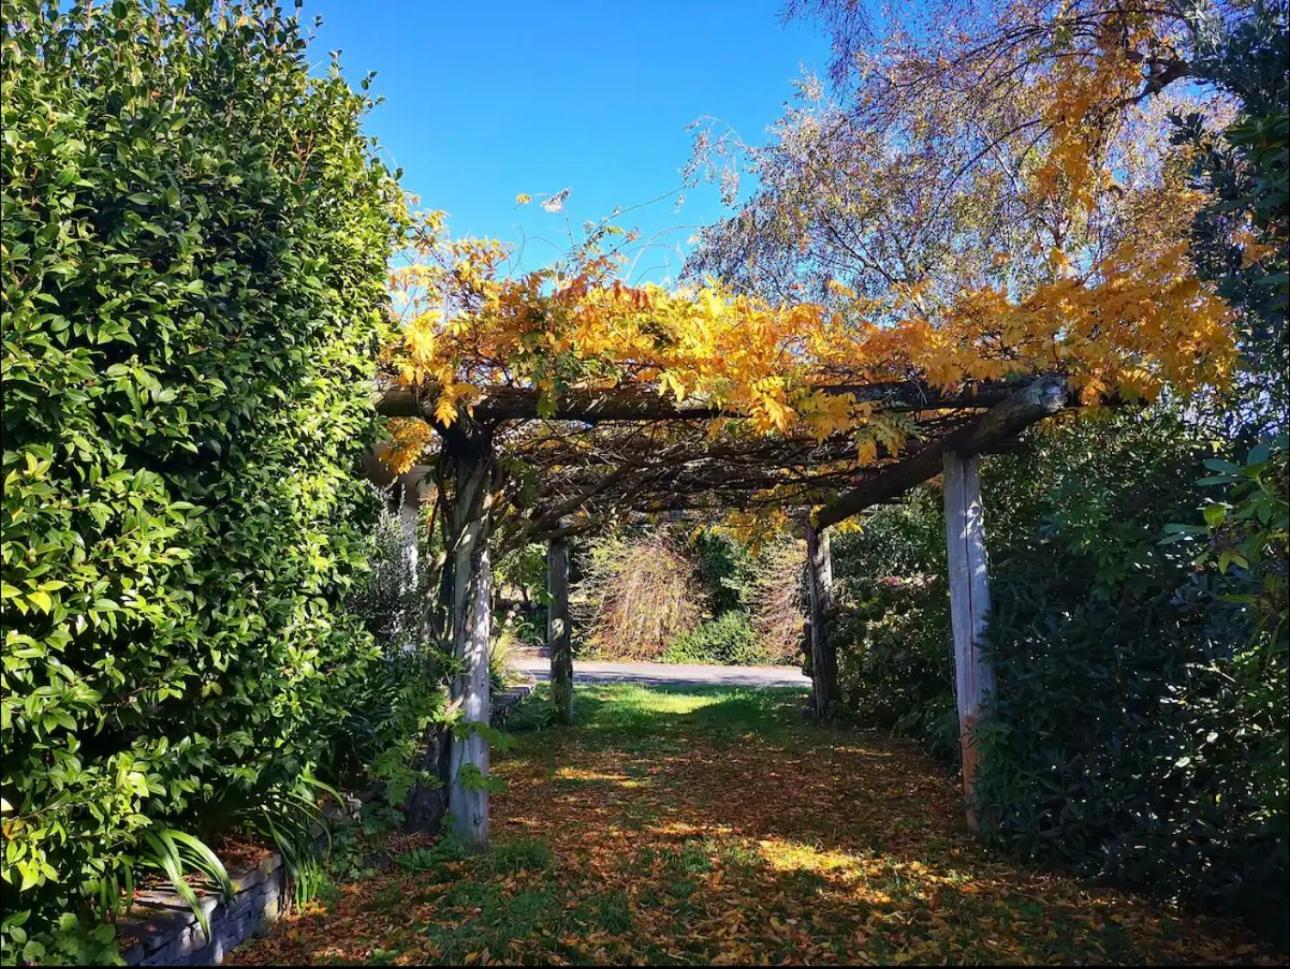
x=729 y=639
x=892 y=622
x=1140 y=731
x=522 y=571
x=726 y=570
x=195 y=242
x=1121 y=741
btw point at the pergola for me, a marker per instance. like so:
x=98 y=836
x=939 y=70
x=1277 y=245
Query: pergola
x=597 y=452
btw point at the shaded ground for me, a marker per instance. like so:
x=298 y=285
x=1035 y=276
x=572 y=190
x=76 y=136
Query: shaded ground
x=684 y=826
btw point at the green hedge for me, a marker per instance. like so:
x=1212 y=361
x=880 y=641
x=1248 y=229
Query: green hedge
x=195 y=236
x=728 y=639
x=892 y=622
x=1138 y=717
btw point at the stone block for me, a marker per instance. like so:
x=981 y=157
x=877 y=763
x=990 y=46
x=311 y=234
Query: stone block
x=154 y=928
x=194 y=939
x=244 y=880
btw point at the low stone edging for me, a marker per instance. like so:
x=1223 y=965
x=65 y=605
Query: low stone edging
x=506 y=700
x=161 y=929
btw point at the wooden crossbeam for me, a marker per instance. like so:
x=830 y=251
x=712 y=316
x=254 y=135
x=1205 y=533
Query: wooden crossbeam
x=637 y=404
x=1039 y=399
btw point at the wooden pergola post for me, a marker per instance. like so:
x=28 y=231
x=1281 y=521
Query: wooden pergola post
x=824 y=657
x=969 y=606
x=559 y=638
x=409 y=488
x=472 y=468
x=409 y=501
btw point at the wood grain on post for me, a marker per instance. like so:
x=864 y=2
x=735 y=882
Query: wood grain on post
x=969 y=607
x=469 y=802
x=472 y=620
x=824 y=658
x=559 y=637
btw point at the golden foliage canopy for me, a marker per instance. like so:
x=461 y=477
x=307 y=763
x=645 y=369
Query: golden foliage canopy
x=1101 y=292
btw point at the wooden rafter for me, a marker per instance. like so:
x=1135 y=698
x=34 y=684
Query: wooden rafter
x=625 y=449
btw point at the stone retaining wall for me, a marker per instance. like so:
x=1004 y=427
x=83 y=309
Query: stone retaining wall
x=506 y=700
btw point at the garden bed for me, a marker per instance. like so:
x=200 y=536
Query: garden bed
x=161 y=929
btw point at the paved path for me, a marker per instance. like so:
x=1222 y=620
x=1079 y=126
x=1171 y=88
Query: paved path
x=662 y=674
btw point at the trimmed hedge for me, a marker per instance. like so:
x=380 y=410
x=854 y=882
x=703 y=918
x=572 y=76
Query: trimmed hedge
x=196 y=235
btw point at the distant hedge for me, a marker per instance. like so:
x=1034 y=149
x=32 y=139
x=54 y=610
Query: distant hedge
x=195 y=241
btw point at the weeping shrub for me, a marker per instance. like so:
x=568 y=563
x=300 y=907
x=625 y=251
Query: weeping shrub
x=637 y=595
x=726 y=570
x=651 y=595
x=195 y=242
x=777 y=598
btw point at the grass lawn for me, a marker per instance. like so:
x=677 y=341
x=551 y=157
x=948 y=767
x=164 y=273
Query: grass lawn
x=710 y=825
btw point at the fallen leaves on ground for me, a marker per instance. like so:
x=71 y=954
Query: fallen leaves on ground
x=710 y=827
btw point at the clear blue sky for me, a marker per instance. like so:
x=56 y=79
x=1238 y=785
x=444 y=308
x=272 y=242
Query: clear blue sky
x=485 y=100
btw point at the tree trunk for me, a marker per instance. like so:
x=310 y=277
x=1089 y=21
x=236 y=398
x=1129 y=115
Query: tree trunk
x=969 y=606
x=824 y=658
x=559 y=637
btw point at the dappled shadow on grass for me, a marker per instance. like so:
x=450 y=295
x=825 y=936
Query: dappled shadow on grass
x=744 y=759
x=697 y=825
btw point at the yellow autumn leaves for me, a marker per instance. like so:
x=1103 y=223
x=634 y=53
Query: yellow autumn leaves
x=1131 y=324
x=1125 y=322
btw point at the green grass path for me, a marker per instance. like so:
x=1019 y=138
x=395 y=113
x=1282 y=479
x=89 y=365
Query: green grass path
x=676 y=826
